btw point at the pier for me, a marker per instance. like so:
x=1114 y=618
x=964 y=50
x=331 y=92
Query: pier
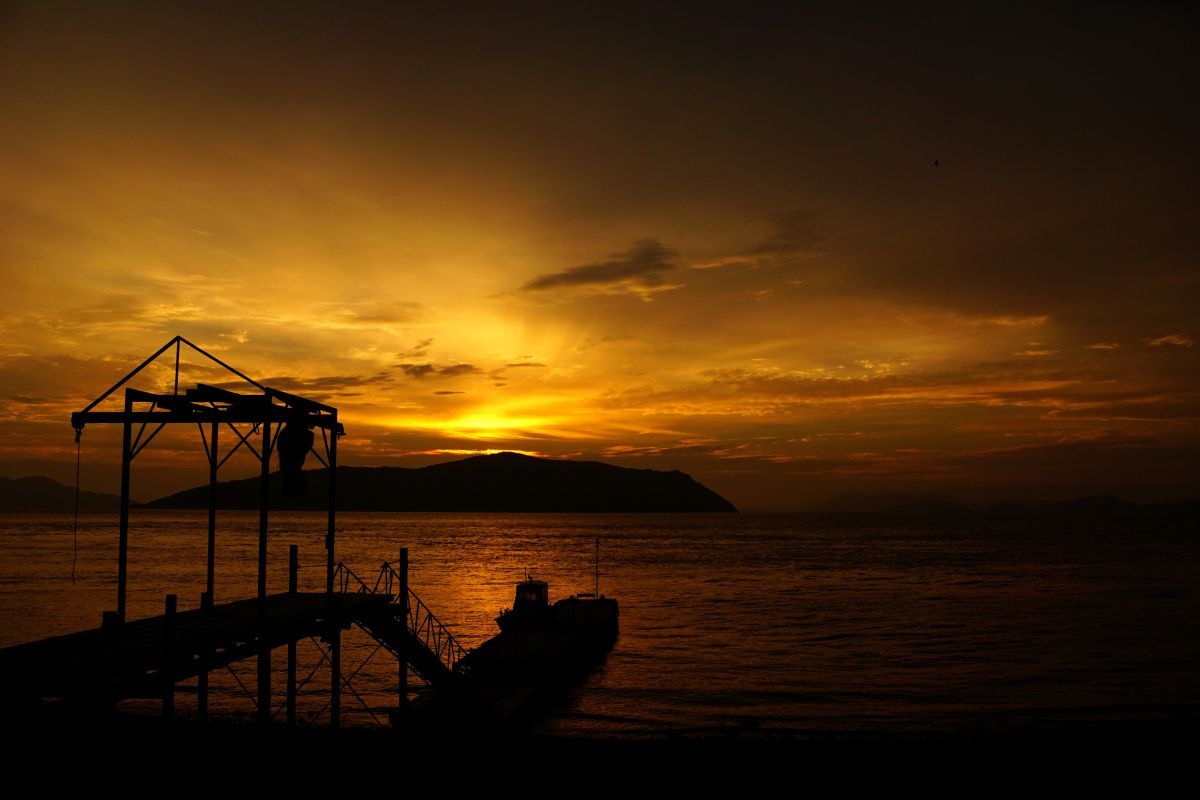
x=146 y=658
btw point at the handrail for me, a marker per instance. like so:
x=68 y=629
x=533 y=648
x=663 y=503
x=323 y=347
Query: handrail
x=421 y=622
x=342 y=577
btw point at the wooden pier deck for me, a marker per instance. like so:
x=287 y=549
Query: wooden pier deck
x=127 y=660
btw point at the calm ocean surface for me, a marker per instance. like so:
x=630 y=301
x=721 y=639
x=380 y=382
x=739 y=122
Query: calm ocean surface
x=789 y=622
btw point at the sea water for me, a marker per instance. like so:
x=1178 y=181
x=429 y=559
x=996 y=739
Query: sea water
x=728 y=621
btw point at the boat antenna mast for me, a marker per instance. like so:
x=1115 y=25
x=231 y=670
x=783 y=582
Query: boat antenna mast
x=597 y=594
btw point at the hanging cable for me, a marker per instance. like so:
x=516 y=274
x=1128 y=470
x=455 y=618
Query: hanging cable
x=75 y=536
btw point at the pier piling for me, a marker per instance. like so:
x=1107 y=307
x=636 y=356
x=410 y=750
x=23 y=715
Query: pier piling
x=293 y=587
x=167 y=673
x=335 y=661
x=202 y=664
x=402 y=659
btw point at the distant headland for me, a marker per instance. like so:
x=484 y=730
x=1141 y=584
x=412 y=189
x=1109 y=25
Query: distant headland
x=38 y=493
x=511 y=482
x=504 y=482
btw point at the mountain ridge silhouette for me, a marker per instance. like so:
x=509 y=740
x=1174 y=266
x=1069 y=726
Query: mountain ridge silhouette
x=498 y=482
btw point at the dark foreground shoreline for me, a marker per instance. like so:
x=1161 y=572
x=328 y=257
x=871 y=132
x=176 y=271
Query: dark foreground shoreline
x=1140 y=752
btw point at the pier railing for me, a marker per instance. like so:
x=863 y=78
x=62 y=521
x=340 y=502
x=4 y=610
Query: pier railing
x=347 y=581
x=421 y=622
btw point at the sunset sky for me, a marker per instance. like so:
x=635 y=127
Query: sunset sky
x=709 y=240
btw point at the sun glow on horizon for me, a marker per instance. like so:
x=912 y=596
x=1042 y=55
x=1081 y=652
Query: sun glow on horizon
x=479 y=425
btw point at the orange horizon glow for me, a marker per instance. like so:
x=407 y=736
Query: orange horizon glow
x=774 y=290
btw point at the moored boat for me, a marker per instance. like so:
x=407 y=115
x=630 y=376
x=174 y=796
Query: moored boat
x=545 y=641
x=531 y=608
x=541 y=650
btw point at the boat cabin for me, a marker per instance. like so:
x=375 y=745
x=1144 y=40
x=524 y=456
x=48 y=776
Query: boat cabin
x=532 y=597
x=530 y=606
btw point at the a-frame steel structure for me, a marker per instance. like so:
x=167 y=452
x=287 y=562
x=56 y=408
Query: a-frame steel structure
x=269 y=412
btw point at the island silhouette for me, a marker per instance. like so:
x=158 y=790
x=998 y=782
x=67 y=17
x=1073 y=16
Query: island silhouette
x=500 y=482
x=514 y=482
